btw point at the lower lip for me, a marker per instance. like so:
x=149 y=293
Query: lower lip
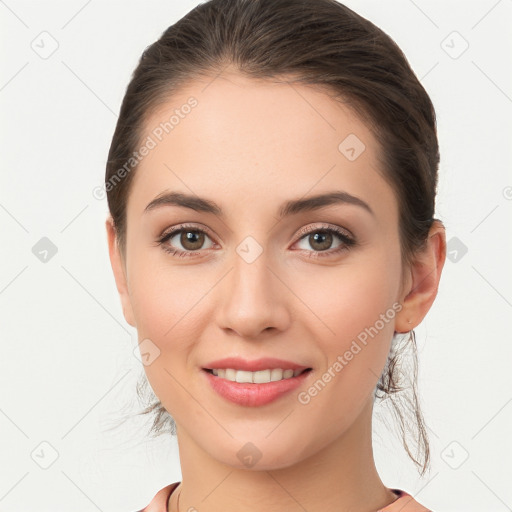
x=254 y=395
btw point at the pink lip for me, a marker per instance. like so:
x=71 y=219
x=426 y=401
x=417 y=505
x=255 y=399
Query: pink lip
x=263 y=363
x=253 y=395
x=250 y=394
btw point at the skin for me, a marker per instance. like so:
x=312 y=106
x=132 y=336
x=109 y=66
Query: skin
x=249 y=146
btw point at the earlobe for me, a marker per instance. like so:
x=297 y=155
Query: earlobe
x=425 y=273
x=119 y=270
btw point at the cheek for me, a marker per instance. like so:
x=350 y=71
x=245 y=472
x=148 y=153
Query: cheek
x=356 y=305
x=362 y=301
x=167 y=306
x=164 y=296
x=351 y=297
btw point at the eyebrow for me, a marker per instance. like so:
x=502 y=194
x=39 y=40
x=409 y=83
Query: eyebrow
x=291 y=207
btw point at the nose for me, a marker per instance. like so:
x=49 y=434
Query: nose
x=253 y=298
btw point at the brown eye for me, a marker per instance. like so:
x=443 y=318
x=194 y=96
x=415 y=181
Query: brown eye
x=321 y=240
x=192 y=240
x=185 y=241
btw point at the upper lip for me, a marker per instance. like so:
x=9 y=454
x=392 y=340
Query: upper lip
x=264 y=363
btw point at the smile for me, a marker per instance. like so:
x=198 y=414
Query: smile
x=254 y=383
x=258 y=377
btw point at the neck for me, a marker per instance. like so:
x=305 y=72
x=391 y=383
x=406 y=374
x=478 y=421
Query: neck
x=340 y=477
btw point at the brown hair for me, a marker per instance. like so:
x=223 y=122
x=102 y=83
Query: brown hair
x=317 y=42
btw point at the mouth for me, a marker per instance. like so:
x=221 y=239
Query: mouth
x=256 y=377
x=255 y=388
x=254 y=383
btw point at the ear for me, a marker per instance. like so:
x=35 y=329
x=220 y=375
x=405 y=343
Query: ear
x=119 y=269
x=423 y=280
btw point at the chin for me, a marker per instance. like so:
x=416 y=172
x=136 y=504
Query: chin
x=258 y=453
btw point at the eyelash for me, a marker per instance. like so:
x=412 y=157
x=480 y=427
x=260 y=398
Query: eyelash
x=347 y=241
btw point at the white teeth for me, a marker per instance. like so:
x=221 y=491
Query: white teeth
x=243 y=376
x=259 y=377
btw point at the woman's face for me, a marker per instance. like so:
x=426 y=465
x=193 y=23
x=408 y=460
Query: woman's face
x=254 y=272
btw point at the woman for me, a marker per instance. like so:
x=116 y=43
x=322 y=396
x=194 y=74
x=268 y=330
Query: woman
x=271 y=184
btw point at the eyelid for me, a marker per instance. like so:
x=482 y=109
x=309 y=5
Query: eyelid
x=311 y=228
x=169 y=233
x=186 y=225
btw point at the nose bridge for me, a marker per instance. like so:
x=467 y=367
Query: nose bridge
x=251 y=278
x=252 y=300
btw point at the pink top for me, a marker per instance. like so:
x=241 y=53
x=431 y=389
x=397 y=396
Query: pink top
x=404 y=502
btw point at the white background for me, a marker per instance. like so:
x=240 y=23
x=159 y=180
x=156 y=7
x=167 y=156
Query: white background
x=66 y=361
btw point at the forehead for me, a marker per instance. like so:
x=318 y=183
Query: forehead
x=252 y=138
